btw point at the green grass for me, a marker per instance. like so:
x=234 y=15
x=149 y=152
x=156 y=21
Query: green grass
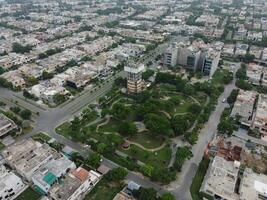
x=42 y=137
x=158 y=158
x=183 y=107
x=198 y=179
x=29 y=194
x=112 y=126
x=104 y=190
x=217 y=78
x=63 y=129
x=2 y=146
x=147 y=139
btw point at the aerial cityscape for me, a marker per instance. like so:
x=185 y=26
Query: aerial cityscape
x=133 y=100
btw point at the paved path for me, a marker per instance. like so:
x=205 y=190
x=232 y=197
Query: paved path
x=147 y=149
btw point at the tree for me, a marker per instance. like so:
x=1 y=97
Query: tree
x=120 y=111
x=15 y=109
x=18 y=48
x=226 y=126
x=127 y=128
x=117 y=174
x=148 y=73
x=179 y=124
x=59 y=98
x=75 y=124
x=93 y=160
x=249 y=58
x=30 y=81
x=147 y=170
x=243 y=84
x=194 y=108
x=146 y=194
x=163 y=175
x=167 y=196
x=157 y=124
x=46 y=75
x=182 y=154
x=2 y=70
x=232 y=97
x=101 y=147
x=25 y=114
x=242 y=72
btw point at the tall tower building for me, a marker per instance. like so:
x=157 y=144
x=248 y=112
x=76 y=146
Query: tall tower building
x=135 y=83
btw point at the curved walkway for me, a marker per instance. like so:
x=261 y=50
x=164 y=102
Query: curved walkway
x=108 y=117
x=146 y=149
x=166 y=114
x=193 y=98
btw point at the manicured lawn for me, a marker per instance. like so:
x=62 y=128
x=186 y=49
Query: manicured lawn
x=29 y=194
x=147 y=139
x=198 y=179
x=158 y=158
x=183 y=107
x=104 y=190
x=112 y=126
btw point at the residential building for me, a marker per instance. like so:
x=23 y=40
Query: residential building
x=254 y=73
x=45 y=177
x=135 y=83
x=243 y=107
x=228 y=50
x=27 y=156
x=260 y=119
x=6 y=125
x=10 y=184
x=75 y=185
x=241 y=49
x=127 y=192
x=221 y=178
x=253 y=186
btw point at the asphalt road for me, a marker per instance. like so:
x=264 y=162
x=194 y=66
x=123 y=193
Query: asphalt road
x=181 y=187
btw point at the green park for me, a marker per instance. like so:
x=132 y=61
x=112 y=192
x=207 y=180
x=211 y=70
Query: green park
x=137 y=131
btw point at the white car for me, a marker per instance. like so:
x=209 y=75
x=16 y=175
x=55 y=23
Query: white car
x=224 y=100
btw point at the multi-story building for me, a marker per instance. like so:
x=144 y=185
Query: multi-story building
x=6 y=125
x=211 y=62
x=45 y=177
x=243 y=107
x=260 y=118
x=135 y=83
x=75 y=185
x=190 y=57
x=27 y=156
x=170 y=56
x=253 y=186
x=10 y=184
x=254 y=73
x=221 y=178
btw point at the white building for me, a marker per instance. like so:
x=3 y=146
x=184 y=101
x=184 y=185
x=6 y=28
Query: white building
x=10 y=184
x=75 y=185
x=220 y=179
x=49 y=174
x=253 y=186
